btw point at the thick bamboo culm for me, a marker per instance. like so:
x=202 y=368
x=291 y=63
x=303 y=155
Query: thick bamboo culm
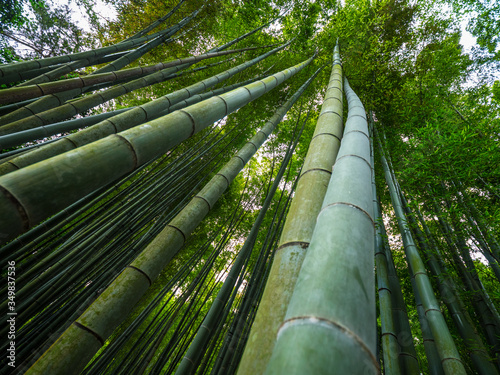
x=202 y=335
x=299 y=226
x=82 y=339
x=331 y=319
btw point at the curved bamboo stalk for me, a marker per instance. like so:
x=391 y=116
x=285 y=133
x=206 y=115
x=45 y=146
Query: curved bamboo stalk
x=298 y=228
x=127 y=120
x=330 y=322
x=82 y=339
x=36 y=192
x=26 y=117
x=450 y=359
x=14 y=68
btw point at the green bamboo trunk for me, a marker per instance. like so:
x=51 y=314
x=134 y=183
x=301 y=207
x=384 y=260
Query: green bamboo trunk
x=84 y=337
x=391 y=349
x=477 y=351
x=40 y=132
x=408 y=356
x=298 y=228
x=191 y=358
x=16 y=94
x=330 y=324
x=450 y=359
x=126 y=120
x=34 y=193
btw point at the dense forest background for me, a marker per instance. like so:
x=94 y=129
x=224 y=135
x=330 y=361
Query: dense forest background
x=436 y=109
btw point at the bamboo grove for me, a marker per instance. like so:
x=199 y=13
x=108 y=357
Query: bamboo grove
x=236 y=187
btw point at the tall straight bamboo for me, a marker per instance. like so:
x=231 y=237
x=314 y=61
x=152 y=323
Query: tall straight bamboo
x=450 y=359
x=34 y=193
x=127 y=120
x=389 y=335
x=82 y=339
x=331 y=322
x=298 y=228
x=477 y=351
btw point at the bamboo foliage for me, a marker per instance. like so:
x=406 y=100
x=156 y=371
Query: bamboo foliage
x=118 y=299
x=330 y=321
x=124 y=121
x=299 y=226
x=156 y=23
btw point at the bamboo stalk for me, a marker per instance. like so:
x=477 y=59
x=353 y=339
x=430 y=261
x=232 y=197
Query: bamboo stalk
x=330 y=322
x=15 y=94
x=391 y=349
x=298 y=228
x=477 y=351
x=19 y=138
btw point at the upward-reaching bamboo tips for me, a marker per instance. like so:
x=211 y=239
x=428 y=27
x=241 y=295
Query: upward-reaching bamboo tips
x=299 y=225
